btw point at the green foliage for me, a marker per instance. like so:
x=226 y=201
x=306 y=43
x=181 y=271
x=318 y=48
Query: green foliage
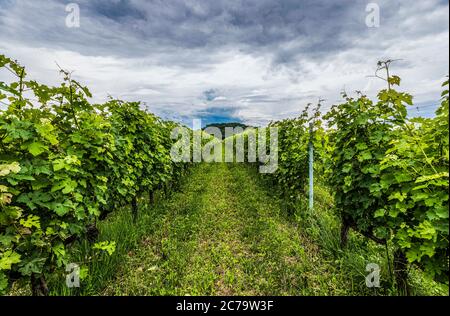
x=415 y=178
x=390 y=174
x=294 y=137
x=107 y=246
x=64 y=162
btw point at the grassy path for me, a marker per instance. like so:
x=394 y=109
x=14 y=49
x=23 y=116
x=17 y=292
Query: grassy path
x=223 y=235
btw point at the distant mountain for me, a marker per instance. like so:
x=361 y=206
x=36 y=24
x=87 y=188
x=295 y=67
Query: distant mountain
x=222 y=126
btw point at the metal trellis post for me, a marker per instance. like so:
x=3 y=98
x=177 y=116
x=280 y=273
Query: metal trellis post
x=311 y=168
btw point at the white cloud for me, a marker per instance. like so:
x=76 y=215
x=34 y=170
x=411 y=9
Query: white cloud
x=251 y=78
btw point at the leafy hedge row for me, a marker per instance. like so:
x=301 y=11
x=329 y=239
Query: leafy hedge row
x=294 y=137
x=65 y=163
x=389 y=173
x=390 y=177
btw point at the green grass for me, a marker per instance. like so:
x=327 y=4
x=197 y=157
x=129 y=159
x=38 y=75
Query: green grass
x=226 y=232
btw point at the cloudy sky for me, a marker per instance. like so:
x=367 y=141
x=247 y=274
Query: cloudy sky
x=223 y=60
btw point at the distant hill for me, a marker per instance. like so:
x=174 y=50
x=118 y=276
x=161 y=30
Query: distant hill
x=222 y=126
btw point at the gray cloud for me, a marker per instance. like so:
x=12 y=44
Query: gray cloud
x=266 y=58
